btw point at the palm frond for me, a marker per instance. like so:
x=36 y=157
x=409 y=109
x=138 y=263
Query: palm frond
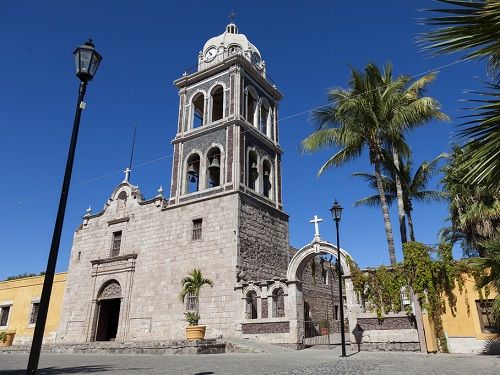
x=469 y=26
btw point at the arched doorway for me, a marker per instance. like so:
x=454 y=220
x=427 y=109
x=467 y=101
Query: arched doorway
x=108 y=311
x=297 y=268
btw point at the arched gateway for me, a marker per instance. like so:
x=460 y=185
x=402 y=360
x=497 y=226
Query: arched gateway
x=295 y=272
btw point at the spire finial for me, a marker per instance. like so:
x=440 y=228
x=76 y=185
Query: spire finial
x=231 y=16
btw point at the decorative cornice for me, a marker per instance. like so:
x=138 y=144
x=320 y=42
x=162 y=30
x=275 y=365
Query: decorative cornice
x=114 y=259
x=120 y=220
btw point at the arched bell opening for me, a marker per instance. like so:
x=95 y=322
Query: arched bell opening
x=217 y=102
x=252 y=170
x=198 y=110
x=214 y=160
x=193 y=174
x=266 y=179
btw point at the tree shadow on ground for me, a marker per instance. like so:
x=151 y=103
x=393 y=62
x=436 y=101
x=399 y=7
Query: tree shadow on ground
x=491 y=347
x=71 y=370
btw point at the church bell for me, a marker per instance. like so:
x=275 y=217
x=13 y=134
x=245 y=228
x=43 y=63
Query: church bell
x=192 y=173
x=214 y=164
x=254 y=173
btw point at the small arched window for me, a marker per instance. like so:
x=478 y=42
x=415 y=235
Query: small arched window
x=266 y=179
x=278 y=303
x=121 y=201
x=217 y=98
x=252 y=171
x=193 y=174
x=234 y=49
x=198 y=105
x=214 y=167
x=251 y=305
x=251 y=105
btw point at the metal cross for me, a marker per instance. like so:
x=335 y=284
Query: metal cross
x=316 y=222
x=231 y=16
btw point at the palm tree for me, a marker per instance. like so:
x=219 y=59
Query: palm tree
x=414 y=188
x=474 y=209
x=413 y=110
x=473 y=26
x=374 y=113
x=192 y=284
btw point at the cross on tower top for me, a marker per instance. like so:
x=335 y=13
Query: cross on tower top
x=231 y=16
x=316 y=220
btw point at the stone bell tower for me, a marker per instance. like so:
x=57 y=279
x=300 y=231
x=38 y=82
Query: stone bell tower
x=227 y=143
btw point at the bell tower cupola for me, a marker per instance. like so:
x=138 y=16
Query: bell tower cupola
x=227 y=132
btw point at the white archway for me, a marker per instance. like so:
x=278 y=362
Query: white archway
x=295 y=269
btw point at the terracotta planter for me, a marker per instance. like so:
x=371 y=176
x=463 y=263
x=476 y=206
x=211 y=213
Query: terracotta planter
x=195 y=332
x=9 y=338
x=323 y=331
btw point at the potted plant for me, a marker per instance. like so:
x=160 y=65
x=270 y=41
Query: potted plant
x=323 y=327
x=191 y=286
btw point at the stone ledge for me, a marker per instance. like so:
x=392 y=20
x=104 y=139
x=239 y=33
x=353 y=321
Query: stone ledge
x=210 y=346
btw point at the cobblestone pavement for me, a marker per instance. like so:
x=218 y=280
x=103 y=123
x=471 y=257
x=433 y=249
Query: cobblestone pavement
x=311 y=361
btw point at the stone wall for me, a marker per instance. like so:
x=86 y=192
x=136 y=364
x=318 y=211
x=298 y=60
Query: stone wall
x=271 y=327
x=164 y=252
x=388 y=323
x=396 y=332
x=318 y=294
x=263 y=248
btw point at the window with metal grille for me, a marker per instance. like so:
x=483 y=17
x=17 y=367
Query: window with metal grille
x=197 y=227
x=116 y=243
x=4 y=315
x=251 y=305
x=34 y=312
x=486 y=318
x=191 y=302
x=278 y=303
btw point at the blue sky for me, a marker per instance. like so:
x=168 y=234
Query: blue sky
x=307 y=46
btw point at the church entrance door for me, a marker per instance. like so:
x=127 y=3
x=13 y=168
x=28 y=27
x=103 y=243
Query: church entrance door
x=107 y=321
x=108 y=311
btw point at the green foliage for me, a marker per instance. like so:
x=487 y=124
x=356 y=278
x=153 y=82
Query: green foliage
x=430 y=273
x=474 y=210
x=192 y=318
x=23 y=275
x=414 y=186
x=472 y=26
x=193 y=283
x=373 y=114
x=3 y=336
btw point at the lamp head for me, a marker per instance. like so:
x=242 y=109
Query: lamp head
x=87 y=60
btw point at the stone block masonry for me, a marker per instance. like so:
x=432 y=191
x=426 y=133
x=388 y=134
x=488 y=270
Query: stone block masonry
x=263 y=241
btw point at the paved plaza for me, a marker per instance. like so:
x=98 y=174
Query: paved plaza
x=310 y=361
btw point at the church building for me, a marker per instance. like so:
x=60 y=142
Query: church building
x=224 y=215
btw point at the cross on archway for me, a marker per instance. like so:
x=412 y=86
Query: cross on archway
x=316 y=220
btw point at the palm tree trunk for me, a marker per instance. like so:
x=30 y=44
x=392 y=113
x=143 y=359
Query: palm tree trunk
x=410 y=226
x=399 y=194
x=385 y=211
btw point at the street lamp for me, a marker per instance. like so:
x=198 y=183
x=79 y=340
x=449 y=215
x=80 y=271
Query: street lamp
x=87 y=61
x=336 y=211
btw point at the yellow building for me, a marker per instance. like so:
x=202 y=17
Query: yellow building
x=19 y=302
x=468 y=325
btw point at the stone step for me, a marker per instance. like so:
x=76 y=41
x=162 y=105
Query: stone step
x=241 y=345
x=210 y=346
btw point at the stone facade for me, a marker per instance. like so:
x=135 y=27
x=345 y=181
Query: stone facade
x=127 y=261
x=263 y=241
